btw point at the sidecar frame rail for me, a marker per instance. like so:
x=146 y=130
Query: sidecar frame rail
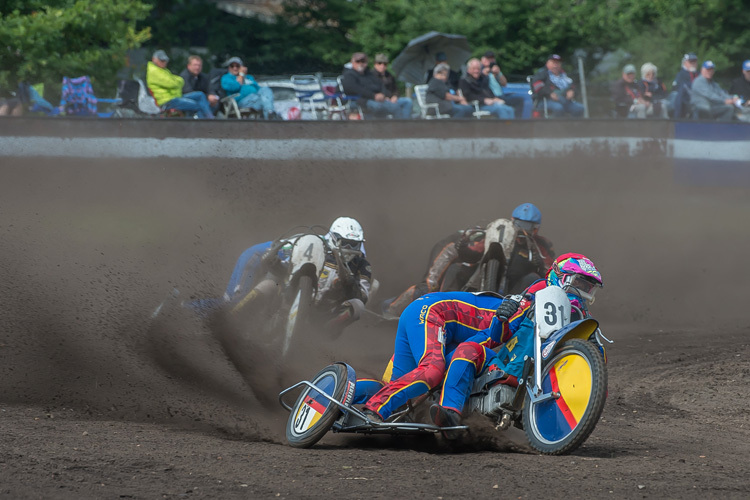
x=367 y=426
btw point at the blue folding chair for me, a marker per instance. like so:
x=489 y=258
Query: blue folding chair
x=78 y=98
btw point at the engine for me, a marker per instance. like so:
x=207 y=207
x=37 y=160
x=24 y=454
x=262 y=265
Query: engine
x=490 y=404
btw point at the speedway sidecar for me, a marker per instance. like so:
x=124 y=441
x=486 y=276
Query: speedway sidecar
x=325 y=403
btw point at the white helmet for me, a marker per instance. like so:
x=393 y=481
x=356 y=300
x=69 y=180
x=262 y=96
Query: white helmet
x=346 y=232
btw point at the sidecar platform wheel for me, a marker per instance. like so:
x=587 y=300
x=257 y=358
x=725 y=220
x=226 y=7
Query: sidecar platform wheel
x=313 y=415
x=559 y=426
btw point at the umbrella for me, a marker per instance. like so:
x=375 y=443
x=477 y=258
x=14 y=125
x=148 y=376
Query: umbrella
x=418 y=57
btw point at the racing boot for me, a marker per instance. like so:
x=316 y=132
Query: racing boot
x=445 y=417
x=373 y=416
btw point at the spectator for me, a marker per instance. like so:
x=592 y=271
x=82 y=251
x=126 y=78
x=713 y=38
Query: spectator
x=521 y=103
x=251 y=95
x=629 y=103
x=741 y=85
x=453 y=78
x=709 y=99
x=10 y=106
x=196 y=80
x=167 y=88
x=389 y=82
x=476 y=87
x=679 y=98
x=439 y=91
x=361 y=82
x=653 y=90
x=554 y=85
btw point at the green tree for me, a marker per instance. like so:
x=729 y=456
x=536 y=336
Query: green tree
x=44 y=41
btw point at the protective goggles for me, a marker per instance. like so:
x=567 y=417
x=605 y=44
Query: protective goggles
x=350 y=244
x=583 y=285
x=525 y=225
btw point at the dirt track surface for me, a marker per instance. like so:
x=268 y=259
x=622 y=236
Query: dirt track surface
x=97 y=403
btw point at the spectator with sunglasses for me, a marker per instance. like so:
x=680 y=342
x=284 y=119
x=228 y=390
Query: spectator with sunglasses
x=358 y=80
x=389 y=81
x=251 y=95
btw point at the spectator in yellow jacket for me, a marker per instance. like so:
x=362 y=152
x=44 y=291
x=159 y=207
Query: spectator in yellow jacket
x=167 y=88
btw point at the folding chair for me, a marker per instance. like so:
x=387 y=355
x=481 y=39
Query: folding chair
x=428 y=111
x=78 y=98
x=310 y=95
x=231 y=108
x=348 y=102
x=478 y=113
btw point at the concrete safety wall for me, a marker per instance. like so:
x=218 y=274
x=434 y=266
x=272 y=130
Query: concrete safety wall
x=704 y=152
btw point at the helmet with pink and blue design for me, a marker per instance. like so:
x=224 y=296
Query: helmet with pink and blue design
x=576 y=274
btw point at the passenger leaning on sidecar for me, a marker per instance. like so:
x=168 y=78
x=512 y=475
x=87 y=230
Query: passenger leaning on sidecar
x=428 y=333
x=341 y=294
x=572 y=272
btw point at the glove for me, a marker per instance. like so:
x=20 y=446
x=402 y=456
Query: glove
x=507 y=309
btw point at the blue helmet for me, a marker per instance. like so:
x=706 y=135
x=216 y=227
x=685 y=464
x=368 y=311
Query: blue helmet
x=527 y=217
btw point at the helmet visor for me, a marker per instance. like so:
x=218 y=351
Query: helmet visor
x=525 y=225
x=585 y=285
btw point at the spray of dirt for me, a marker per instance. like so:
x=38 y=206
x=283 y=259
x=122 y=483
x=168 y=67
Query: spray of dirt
x=90 y=248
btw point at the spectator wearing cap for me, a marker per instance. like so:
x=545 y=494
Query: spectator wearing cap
x=653 y=90
x=440 y=93
x=474 y=86
x=454 y=77
x=626 y=94
x=250 y=94
x=552 y=84
x=390 y=89
x=358 y=80
x=521 y=103
x=679 y=98
x=741 y=85
x=196 y=80
x=710 y=100
x=167 y=88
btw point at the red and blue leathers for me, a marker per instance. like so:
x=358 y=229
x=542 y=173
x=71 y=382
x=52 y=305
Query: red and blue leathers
x=471 y=358
x=429 y=331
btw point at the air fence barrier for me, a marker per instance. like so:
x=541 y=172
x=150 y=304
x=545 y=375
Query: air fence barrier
x=703 y=152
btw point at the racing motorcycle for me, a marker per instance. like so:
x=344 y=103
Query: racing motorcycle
x=491 y=273
x=558 y=402
x=287 y=290
x=281 y=300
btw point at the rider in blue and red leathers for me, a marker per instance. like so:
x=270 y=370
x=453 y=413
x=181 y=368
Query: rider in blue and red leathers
x=572 y=272
x=429 y=331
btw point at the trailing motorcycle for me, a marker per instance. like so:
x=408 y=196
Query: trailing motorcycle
x=558 y=402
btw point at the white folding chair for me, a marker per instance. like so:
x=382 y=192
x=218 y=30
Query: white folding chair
x=429 y=111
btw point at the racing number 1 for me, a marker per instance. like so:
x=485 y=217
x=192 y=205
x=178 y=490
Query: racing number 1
x=551 y=313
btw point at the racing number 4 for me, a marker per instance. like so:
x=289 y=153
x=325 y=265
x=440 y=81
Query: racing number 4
x=309 y=252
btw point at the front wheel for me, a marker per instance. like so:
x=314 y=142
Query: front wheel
x=313 y=414
x=492 y=276
x=299 y=312
x=578 y=373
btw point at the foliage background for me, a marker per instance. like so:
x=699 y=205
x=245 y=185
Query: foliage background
x=43 y=40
